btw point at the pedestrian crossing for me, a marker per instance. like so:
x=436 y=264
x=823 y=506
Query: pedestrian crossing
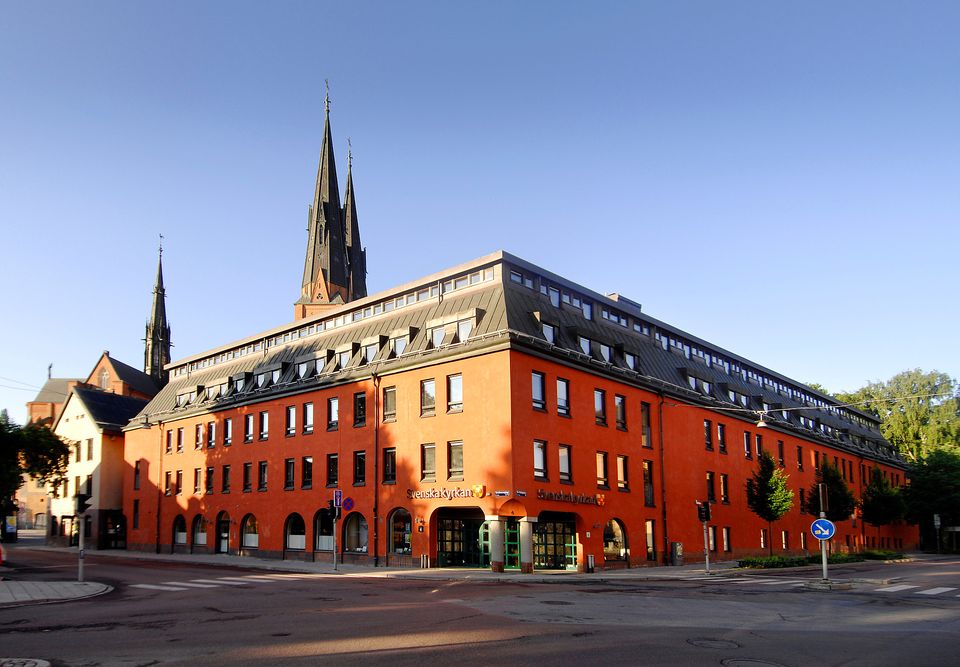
x=245 y=580
x=899 y=588
x=906 y=589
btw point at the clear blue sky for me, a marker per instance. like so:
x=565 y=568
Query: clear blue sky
x=783 y=181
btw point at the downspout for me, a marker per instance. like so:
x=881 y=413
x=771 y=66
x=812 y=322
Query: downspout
x=376 y=467
x=663 y=483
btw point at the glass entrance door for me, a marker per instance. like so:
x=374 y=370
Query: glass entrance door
x=555 y=544
x=462 y=542
x=511 y=544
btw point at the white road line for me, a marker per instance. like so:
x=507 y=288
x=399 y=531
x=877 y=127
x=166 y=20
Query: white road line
x=258 y=577
x=154 y=587
x=239 y=580
x=894 y=589
x=935 y=591
x=779 y=581
x=221 y=582
x=799 y=583
x=191 y=584
x=715 y=579
x=748 y=581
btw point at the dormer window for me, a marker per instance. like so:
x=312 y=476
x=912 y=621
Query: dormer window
x=464 y=329
x=605 y=352
x=398 y=345
x=584 y=344
x=550 y=333
x=436 y=336
x=631 y=361
x=343 y=359
x=306 y=368
x=239 y=384
x=261 y=380
x=370 y=352
x=275 y=376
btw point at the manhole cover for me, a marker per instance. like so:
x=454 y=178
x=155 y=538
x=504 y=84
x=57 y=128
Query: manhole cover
x=23 y=662
x=737 y=662
x=559 y=602
x=713 y=643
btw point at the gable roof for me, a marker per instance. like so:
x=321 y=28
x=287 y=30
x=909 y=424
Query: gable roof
x=110 y=411
x=138 y=380
x=55 y=390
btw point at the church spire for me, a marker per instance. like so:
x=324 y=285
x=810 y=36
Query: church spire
x=356 y=255
x=156 y=353
x=326 y=277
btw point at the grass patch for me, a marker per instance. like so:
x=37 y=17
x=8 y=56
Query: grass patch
x=768 y=562
x=879 y=554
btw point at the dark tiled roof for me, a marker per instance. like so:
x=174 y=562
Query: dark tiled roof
x=55 y=390
x=110 y=411
x=138 y=380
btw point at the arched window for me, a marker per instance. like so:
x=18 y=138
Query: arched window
x=400 y=532
x=296 y=533
x=104 y=379
x=199 y=531
x=250 y=533
x=355 y=533
x=614 y=541
x=179 y=530
x=323 y=530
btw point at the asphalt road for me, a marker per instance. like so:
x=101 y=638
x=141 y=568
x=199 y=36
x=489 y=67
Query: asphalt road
x=173 y=613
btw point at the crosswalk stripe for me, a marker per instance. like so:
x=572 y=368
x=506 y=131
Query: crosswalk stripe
x=715 y=579
x=895 y=589
x=748 y=581
x=259 y=577
x=239 y=580
x=156 y=587
x=779 y=581
x=935 y=591
x=190 y=584
x=221 y=582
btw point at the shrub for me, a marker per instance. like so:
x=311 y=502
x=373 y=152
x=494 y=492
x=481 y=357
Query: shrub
x=766 y=562
x=881 y=555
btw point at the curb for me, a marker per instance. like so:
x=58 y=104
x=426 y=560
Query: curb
x=105 y=588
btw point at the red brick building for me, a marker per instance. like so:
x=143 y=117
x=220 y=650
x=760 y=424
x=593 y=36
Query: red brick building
x=493 y=415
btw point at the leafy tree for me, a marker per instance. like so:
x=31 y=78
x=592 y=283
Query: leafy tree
x=768 y=495
x=840 y=499
x=881 y=502
x=918 y=411
x=33 y=450
x=935 y=489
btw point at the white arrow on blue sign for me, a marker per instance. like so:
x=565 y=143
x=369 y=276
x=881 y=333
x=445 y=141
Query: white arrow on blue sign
x=823 y=529
x=337 y=498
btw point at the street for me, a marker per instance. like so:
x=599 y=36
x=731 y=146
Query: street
x=183 y=613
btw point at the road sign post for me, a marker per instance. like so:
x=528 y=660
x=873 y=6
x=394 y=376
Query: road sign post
x=936 y=525
x=337 y=504
x=823 y=529
x=703 y=513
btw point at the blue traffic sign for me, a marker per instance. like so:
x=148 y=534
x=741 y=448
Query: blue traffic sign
x=348 y=504
x=823 y=529
x=337 y=498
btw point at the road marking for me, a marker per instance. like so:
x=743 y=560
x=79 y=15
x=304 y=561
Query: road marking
x=258 y=577
x=220 y=581
x=239 y=580
x=894 y=589
x=779 y=581
x=715 y=579
x=935 y=591
x=190 y=584
x=155 y=587
x=749 y=581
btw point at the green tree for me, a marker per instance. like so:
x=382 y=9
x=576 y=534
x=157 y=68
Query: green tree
x=935 y=489
x=840 y=499
x=881 y=502
x=768 y=495
x=918 y=411
x=33 y=450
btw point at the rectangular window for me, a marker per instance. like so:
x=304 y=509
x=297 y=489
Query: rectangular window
x=651 y=542
x=455 y=393
x=179 y=439
x=211 y=435
x=264 y=425
x=565 y=469
x=225 y=479
x=428 y=462
x=333 y=413
x=647 y=441
x=711 y=490
x=763 y=538
x=746 y=445
x=539 y=460
x=724 y=488
x=227 y=432
x=563 y=397
x=389 y=404
x=803 y=540
x=333 y=469
x=197 y=481
x=248 y=428
x=208 y=481
x=262 y=476
x=289 y=473
x=307 y=418
x=816 y=460
x=584 y=344
x=602 y=480
x=549 y=333
x=247 y=477
x=623 y=477
x=390 y=465
x=600 y=406
x=780 y=452
x=168 y=449
x=785 y=539
x=359 y=409
x=359 y=468
x=722 y=438
x=648 y=484
x=198 y=437
x=759 y=442
x=90 y=446
x=428 y=398
x=167 y=483
x=306 y=472
x=620 y=411
x=712 y=538
x=137 y=466
x=290 y=424
x=538 y=391
x=803 y=499
x=708 y=434
x=727 y=547
x=455 y=461
x=136 y=513
x=799 y=458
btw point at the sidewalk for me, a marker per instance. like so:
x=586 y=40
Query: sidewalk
x=17 y=593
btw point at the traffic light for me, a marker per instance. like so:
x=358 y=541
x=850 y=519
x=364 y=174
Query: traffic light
x=703 y=510
x=83 y=501
x=333 y=509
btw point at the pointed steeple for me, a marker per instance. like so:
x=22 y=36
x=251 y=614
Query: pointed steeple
x=156 y=352
x=356 y=255
x=326 y=277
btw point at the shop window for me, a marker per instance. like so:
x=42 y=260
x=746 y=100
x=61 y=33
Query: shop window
x=296 y=533
x=355 y=534
x=400 y=530
x=614 y=541
x=250 y=533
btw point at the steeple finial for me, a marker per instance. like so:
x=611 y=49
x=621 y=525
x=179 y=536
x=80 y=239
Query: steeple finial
x=161 y=245
x=326 y=100
x=349 y=154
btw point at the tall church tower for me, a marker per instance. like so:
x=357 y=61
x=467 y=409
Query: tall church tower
x=156 y=353
x=334 y=271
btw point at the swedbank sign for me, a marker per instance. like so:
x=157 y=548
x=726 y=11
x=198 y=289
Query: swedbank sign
x=597 y=499
x=476 y=491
